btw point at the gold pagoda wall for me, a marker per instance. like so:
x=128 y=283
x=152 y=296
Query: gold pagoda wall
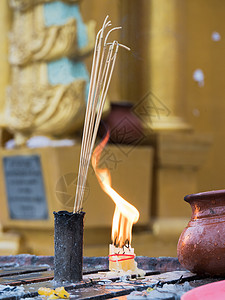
x=202 y=108
x=205 y=104
x=5 y=19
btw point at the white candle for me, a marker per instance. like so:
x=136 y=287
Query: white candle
x=122 y=259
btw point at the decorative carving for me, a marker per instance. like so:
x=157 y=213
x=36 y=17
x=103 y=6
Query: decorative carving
x=45 y=43
x=48 y=88
x=45 y=109
x=23 y=5
x=51 y=43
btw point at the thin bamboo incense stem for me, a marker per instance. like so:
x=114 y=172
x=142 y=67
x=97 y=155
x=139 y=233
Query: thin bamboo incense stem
x=88 y=110
x=98 y=118
x=97 y=121
x=102 y=101
x=99 y=84
x=82 y=162
x=87 y=115
x=121 y=45
x=88 y=136
x=103 y=97
x=93 y=75
x=92 y=118
x=107 y=36
x=87 y=154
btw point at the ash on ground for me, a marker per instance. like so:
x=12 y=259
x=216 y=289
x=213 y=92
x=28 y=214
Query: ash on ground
x=168 y=291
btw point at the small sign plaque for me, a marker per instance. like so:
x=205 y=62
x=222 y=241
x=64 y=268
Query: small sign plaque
x=25 y=187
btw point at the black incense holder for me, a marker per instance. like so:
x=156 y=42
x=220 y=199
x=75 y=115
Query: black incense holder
x=68 y=260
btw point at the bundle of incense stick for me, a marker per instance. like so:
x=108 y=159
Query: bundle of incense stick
x=104 y=58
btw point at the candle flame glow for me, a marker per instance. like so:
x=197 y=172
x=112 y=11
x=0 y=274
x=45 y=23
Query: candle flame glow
x=125 y=214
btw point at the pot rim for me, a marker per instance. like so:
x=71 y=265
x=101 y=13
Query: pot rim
x=209 y=195
x=122 y=104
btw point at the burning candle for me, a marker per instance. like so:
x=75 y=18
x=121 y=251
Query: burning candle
x=121 y=255
x=121 y=259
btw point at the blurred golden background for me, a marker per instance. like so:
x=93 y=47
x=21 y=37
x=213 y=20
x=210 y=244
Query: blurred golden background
x=175 y=72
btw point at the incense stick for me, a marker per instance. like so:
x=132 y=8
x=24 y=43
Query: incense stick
x=104 y=59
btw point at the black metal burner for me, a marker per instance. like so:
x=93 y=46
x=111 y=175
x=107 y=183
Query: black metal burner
x=22 y=275
x=68 y=237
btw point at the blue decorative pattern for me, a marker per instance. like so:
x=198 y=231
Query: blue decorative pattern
x=65 y=71
x=58 y=13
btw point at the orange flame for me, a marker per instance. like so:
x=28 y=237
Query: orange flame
x=125 y=214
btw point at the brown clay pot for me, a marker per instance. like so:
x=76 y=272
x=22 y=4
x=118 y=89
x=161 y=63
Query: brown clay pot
x=125 y=127
x=201 y=247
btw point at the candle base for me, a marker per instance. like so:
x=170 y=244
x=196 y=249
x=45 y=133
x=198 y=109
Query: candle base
x=121 y=260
